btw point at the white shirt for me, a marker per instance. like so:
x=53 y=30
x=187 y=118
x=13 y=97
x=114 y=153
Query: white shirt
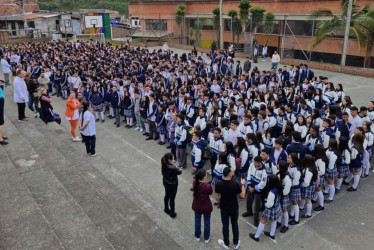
x=20 y=90
x=90 y=130
x=6 y=66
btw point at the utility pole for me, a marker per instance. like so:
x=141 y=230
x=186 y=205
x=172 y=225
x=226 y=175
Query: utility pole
x=221 y=24
x=346 y=34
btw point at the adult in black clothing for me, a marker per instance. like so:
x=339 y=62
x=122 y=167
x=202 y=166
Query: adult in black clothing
x=170 y=174
x=33 y=89
x=227 y=191
x=46 y=110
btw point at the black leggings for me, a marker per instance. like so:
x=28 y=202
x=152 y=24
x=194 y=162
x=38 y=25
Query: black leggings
x=169 y=199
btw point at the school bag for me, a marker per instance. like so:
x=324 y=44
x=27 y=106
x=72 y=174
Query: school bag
x=208 y=152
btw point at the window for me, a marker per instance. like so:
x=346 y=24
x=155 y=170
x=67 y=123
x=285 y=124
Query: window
x=156 y=24
x=31 y=24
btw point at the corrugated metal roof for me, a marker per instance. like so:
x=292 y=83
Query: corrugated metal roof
x=20 y=17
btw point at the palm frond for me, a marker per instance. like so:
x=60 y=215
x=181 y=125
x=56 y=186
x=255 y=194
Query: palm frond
x=360 y=37
x=321 y=13
x=318 y=39
x=334 y=25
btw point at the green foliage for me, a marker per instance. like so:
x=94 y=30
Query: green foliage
x=75 y=5
x=232 y=13
x=182 y=7
x=257 y=15
x=180 y=14
x=216 y=11
x=269 y=23
x=244 y=7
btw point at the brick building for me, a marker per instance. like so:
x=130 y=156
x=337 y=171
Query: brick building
x=10 y=7
x=292 y=34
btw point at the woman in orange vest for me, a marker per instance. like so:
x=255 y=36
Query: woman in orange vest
x=72 y=114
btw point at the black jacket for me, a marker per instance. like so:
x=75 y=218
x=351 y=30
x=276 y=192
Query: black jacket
x=170 y=174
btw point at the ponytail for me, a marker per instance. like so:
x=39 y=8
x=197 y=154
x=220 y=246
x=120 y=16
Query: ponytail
x=198 y=177
x=164 y=161
x=85 y=108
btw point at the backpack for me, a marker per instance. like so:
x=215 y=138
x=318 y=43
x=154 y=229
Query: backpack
x=208 y=153
x=189 y=133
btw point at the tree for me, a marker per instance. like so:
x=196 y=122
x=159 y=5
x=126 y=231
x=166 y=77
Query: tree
x=179 y=18
x=216 y=23
x=195 y=31
x=257 y=19
x=235 y=25
x=268 y=25
x=244 y=7
x=360 y=27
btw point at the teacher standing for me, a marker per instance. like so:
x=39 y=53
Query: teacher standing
x=88 y=129
x=21 y=96
x=72 y=114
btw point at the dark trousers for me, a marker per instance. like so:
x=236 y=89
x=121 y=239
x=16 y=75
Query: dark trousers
x=117 y=115
x=173 y=148
x=33 y=103
x=152 y=128
x=90 y=142
x=206 y=225
x=169 y=199
x=21 y=110
x=226 y=216
x=213 y=161
x=254 y=200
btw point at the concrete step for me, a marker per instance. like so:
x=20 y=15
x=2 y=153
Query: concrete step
x=93 y=183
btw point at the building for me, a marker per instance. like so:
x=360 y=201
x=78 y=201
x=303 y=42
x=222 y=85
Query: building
x=292 y=33
x=11 y=7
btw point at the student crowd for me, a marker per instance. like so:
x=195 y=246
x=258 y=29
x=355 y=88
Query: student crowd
x=292 y=136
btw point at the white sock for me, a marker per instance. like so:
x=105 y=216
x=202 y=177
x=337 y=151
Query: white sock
x=349 y=178
x=273 y=228
x=326 y=189
x=356 y=180
x=146 y=125
x=96 y=115
x=131 y=121
x=315 y=196
x=309 y=209
x=111 y=111
x=286 y=219
x=296 y=212
x=302 y=204
x=280 y=218
x=162 y=137
x=339 y=183
x=292 y=213
x=331 y=192
x=65 y=92
x=260 y=228
x=127 y=121
x=320 y=198
x=102 y=115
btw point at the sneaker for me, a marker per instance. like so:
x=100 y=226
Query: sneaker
x=253 y=236
x=237 y=245
x=222 y=244
x=207 y=241
x=77 y=139
x=93 y=154
x=140 y=130
x=197 y=239
x=173 y=214
x=136 y=128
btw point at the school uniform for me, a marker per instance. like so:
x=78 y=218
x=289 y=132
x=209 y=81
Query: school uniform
x=286 y=185
x=356 y=160
x=332 y=169
x=326 y=135
x=160 y=122
x=245 y=128
x=115 y=101
x=244 y=164
x=278 y=155
x=343 y=165
x=218 y=172
x=295 y=174
x=190 y=113
x=270 y=167
x=151 y=117
x=272 y=210
x=197 y=153
x=217 y=146
x=308 y=186
x=181 y=141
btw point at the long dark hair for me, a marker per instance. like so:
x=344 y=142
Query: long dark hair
x=273 y=182
x=241 y=145
x=222 y=158
x=230 y=148
x=85 y=108
x=358 y=142
x=310 y=163
x=198 y=177
x=320 y=153
x=282 y=171
x=333 y=146
x=343 y=144
x=165 y=160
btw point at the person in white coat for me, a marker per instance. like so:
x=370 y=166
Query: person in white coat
x=21 y=96
x=7 y=69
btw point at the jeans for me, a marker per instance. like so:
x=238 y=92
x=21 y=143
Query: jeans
x=254 y=199
x=33 y=103
x=138 y=119
x=117 y=115
x=6 y=78
x=274 y=66
x=21 y=110
x=90 y=142
x=206 y=225
x=226 y=215
x=169 y=198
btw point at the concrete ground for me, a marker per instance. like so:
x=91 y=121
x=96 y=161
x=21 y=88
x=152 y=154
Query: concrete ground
x=53 y=196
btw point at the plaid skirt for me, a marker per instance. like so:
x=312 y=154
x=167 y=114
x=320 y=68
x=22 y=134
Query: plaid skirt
x=308 y=192
x=127 y=112
x=161 y=129
x=333 y=174
x=322 y=181
x=343 y=170
x=285 y=202
x=99 y=107
x=295 y=194
x=272 y=214
x=355 y=169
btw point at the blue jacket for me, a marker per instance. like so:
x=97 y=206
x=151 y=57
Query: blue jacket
x=115 y=100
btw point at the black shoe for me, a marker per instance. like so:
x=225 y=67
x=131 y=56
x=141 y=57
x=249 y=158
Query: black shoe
x=301 y=209
x=124 y=120
x=279 y=224
x=337 y=190
x=156 y=138
x=291 y=216
x=253 y=237
x=351 y=189
x=325 y=193
x=365 y=175
x=149 y=138
x=191 y=189
x=216 y=204
x=117 y=126
x=293 y=222
x=97 y=119
x=159 y=142
x=304 y=216
x=168 y=147
x=328 y=201
x=256 y=222
x=3 y=142
x=114 y=123
x=5 y=138
x=110 y=117
x=345 y=183
x=102 y=121
x=268 y=235
x=284 y=229
x=314 y=202
x=247 y=214
x=167 y=211
x=173 y=214
x=319 y=208
x=145 y=133
x=162 y=143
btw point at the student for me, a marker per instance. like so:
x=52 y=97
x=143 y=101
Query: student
x=197 y=151
x=217 y=145
x=270 y=166
x=230 y=151
x=170 y=181
x=256 y=182
x=327 y=133
x=227 y=191
x=97 y=100
x=277 y=153
x=301 y=127
x=369 y=136
x=246 y=126
x=334 y=156
x=88 y=129
x=355 y=167
x=295 y=195
x=321 y=162
x=217 y=173
x=115 y=101
x=343 y=164
x=308 y=181
x=181 y=141
x=286 y=182
x=241 y=159
x=160 y=124
x=137 y=101
x=201 y=120
x=201 y=204
x=151 y=117
x=128 y=105
x=272 y=208
x=170 y=128
x=234 y=132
